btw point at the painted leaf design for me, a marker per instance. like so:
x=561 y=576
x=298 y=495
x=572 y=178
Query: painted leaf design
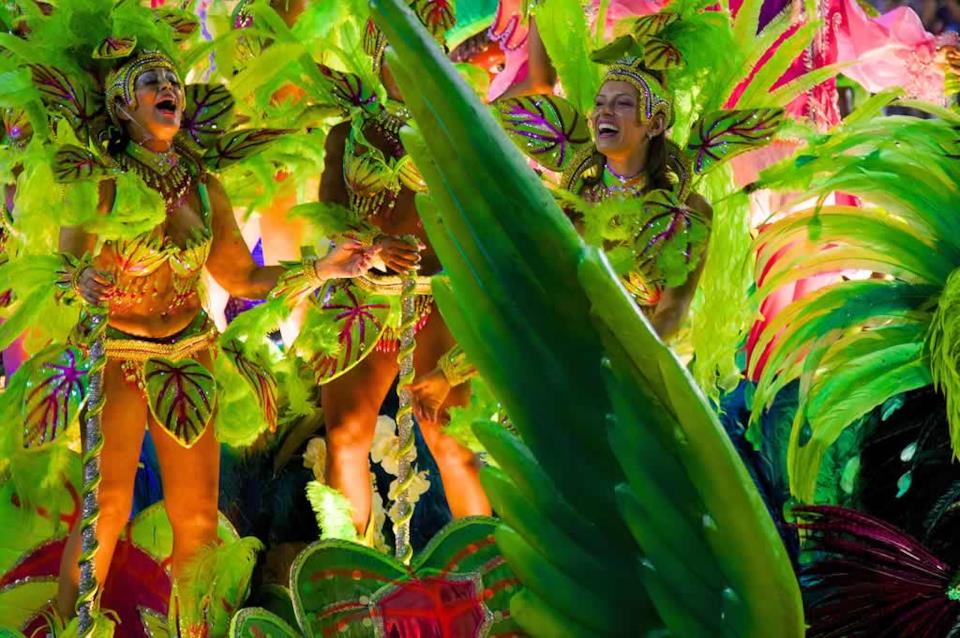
x=651 y=25
x=621 y=46
x=722 y=135
x=73 y=163
x=234 y=147
x=436 y=15
x=181 y=395
x=459 y=586
x=670 y=240
x=114 y=48
x=261 y=380
x=208 y=113
x=82 y=109
x=349 y=91
x=56 y=391
x=545 y=127
x=660 y=55
x=359 y=318
x=260 y=623
x=372 y=38
x=183 y=23
x=951 y=80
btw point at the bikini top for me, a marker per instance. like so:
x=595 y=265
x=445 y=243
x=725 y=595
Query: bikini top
x=373 y=177
x=143 y=255
x=665 y=237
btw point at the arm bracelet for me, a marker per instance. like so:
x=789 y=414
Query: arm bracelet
x=455 y=366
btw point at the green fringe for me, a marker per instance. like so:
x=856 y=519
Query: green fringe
x=943 y=345
x=566 y=36
x=218 y=575
x=333 y=511
x=721 y=312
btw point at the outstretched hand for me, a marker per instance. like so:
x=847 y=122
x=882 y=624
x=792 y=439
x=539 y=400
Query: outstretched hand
x=349 y=258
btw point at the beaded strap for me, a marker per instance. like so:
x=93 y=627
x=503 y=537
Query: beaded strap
x=92 y=326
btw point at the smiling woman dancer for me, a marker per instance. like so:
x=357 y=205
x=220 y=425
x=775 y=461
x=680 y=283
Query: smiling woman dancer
x=633 y=157
x=156 y=324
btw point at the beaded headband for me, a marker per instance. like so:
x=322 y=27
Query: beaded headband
x=436 y=15
x=121 y=82
x=653 y=97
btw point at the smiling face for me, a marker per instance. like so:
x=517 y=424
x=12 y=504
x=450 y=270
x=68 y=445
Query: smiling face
x=616 y=125
x=157 y=106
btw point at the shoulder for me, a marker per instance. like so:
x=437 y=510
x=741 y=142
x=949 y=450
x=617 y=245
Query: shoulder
x=217 y=194
x=338 y=134
x=213 y=185
x=699 y=204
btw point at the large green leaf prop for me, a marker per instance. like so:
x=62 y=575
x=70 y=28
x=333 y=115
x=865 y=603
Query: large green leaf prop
x=625 y=507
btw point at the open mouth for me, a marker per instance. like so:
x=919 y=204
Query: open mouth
x=167 y=107
x=606 y=130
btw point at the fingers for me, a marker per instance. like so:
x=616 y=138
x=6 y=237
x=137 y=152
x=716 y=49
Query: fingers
x=418 y=411
x=94 y=286
x=401 y=260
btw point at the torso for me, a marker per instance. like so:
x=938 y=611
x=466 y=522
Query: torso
x=157 y=274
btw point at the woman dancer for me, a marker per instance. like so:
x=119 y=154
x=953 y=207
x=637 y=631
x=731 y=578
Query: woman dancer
x=157 y=329
x=368 y=171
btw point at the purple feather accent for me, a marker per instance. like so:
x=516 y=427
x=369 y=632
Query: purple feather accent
x=872 y=579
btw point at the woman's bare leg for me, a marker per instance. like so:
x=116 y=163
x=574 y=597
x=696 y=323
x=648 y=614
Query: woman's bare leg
x=122 y=425
x=351 y=405
x=459 y=469
x=191 y=483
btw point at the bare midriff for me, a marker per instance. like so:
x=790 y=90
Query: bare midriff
x=148 y=306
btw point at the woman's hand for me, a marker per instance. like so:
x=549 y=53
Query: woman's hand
x=428 y=393
x=398 y=254
x=93 y=285
x=349 y=258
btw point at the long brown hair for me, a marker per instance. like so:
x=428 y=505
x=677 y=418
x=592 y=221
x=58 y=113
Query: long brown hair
x=657 y=166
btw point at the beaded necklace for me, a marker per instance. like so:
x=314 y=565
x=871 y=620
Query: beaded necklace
x=616 y=184
x=169 y=173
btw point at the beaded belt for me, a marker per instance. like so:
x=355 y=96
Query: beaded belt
x=196 y=337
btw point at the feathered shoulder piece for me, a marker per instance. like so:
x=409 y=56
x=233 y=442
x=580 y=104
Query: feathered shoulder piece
x=84 y=58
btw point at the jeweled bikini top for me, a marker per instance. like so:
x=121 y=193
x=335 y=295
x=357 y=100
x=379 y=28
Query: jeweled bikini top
x=171 y=174
x=374 y=178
